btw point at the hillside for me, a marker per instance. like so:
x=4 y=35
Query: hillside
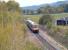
x=35 y=7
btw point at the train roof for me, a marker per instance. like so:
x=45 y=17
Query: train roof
x=32 y=22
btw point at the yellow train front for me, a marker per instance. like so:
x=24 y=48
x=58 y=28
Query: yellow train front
x=33 y=26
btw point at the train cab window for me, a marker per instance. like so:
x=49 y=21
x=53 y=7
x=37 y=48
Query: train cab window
x=35 y=26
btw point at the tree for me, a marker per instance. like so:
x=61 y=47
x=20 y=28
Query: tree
x=13 y=6
x=46 y=9
x=46 y=20
x=39 y=11
x=7 y=10
x=51 y=9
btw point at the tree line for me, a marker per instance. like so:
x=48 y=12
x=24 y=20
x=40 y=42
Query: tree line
x=52 y=9
x=49 y=9
x=9 y=6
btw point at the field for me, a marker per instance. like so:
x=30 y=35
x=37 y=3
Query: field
x=59 y=33
x=33 y=17
x=37 y=17
x=57 y=16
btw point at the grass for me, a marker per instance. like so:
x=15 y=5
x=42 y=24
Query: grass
x=60 y=34
x=34 y=18
x=61 y=15
x=12 y=32
x=31 y=46
x=12 y=38
x=5 y=34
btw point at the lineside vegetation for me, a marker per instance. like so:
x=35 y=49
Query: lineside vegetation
x=12 y=28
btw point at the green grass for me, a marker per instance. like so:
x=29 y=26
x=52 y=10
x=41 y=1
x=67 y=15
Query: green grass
x=34 y=18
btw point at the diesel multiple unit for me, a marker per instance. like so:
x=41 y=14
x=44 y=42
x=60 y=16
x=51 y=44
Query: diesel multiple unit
x=33 y=26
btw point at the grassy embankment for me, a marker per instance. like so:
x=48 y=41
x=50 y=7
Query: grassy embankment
x=12 y=28
x=12 y=33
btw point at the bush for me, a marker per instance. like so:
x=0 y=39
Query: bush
x=46 y=20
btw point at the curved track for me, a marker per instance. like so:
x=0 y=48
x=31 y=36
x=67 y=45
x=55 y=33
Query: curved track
x=48 y=42
x=45 y=43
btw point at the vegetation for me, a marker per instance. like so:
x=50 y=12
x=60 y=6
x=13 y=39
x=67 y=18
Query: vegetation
x=33 y=17
x=30 y=46
x=12 y=29
x=46 y=20
x=49 y=9
x=60 y=33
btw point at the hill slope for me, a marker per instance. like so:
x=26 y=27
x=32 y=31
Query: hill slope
x=35 y=7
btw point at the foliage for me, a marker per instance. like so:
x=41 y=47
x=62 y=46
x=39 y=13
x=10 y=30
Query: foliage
x=46 y=20
x=13 y=6
x=66 y=8
x=50 y=9
x=12 y=28
x=60 y=34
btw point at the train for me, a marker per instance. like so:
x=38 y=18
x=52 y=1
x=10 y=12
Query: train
x=34 y=27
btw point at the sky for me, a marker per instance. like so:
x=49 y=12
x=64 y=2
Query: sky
x=24 y=3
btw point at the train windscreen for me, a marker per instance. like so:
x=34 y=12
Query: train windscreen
x=35 y=26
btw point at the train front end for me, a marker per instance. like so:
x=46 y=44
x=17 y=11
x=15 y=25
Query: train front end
x=35 y=28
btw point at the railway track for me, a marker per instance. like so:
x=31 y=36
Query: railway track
x=46 y=45
x=51 y=40
x=48 y=42
x=51 y=43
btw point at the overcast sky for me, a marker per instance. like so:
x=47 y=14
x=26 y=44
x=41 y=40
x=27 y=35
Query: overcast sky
x=24 y=3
